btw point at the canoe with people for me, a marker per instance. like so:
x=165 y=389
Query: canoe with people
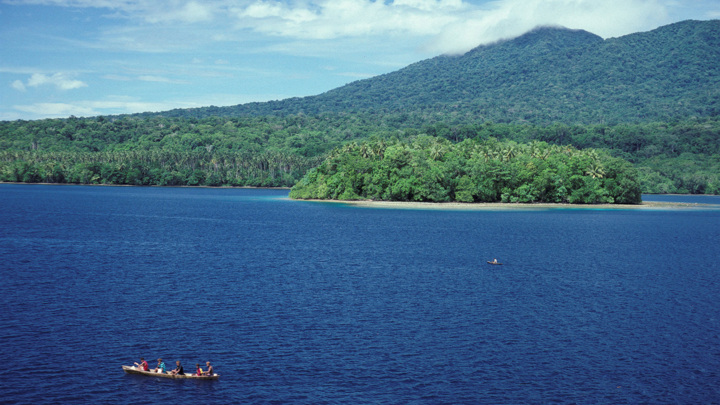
x=142 y=368
x=494 y=261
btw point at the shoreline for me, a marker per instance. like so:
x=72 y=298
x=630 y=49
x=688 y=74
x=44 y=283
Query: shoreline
x=456 y=206
x=149 y=185
x=451 y=206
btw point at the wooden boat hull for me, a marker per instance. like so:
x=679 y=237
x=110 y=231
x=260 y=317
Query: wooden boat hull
x=495 y=263
x=135 y=370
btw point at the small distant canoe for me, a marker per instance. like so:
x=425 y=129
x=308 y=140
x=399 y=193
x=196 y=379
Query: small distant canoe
x=135 y=370
x=495 y=263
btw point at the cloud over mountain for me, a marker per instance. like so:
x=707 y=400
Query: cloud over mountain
x=271 y=49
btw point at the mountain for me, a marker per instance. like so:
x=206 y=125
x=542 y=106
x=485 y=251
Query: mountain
x=547 y=75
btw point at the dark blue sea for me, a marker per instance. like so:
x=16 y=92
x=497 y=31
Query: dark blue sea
x=324 y=303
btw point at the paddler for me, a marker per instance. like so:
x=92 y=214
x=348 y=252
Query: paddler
x=143 y=365
x=178 y=369
x=209 y=370
x=160 y=367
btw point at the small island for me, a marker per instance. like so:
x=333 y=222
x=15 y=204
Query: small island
x=430 y=169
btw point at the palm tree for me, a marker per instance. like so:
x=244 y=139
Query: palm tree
x=595 y=170
x=436 y=151
x=365 y=151
x=509 y=152
x=379 y=148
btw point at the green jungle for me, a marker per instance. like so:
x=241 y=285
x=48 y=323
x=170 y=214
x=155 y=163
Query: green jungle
x=436 y=170
x=555 y=115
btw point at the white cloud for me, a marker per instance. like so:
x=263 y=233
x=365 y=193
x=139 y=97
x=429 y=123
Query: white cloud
x=328 y=19
x=429 y=5
x=89 y=108
x=123 y=105
x=18 y=85
x=510 y=18
x=59 y=80
x=190 y=12
x=55 y=110
x=264 y=10
x=159 y=79
x=445 y=26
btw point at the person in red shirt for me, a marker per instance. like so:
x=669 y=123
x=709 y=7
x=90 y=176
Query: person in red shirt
x=143 y=365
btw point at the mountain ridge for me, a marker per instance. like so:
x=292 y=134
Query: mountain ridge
x=547 y=75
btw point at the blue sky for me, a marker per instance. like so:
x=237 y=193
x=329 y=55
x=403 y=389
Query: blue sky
x=101 y=57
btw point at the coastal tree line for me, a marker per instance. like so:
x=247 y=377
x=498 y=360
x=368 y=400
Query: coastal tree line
x=159 y=168
x=431 y=169
x=671 y=157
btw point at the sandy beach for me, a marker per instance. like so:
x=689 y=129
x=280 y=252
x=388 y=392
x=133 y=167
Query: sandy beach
x=649 y=205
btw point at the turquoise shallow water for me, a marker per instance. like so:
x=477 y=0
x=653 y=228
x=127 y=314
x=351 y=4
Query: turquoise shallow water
x=302 y=302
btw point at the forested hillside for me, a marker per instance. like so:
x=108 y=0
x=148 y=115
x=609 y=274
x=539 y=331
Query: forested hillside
x=650 y=98
x=545 y=76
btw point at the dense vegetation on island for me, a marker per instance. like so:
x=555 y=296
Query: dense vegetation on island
x=432 y=169
x=650 y=98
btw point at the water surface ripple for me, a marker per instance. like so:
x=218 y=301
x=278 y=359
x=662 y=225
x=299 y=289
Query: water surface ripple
x=312 y=303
